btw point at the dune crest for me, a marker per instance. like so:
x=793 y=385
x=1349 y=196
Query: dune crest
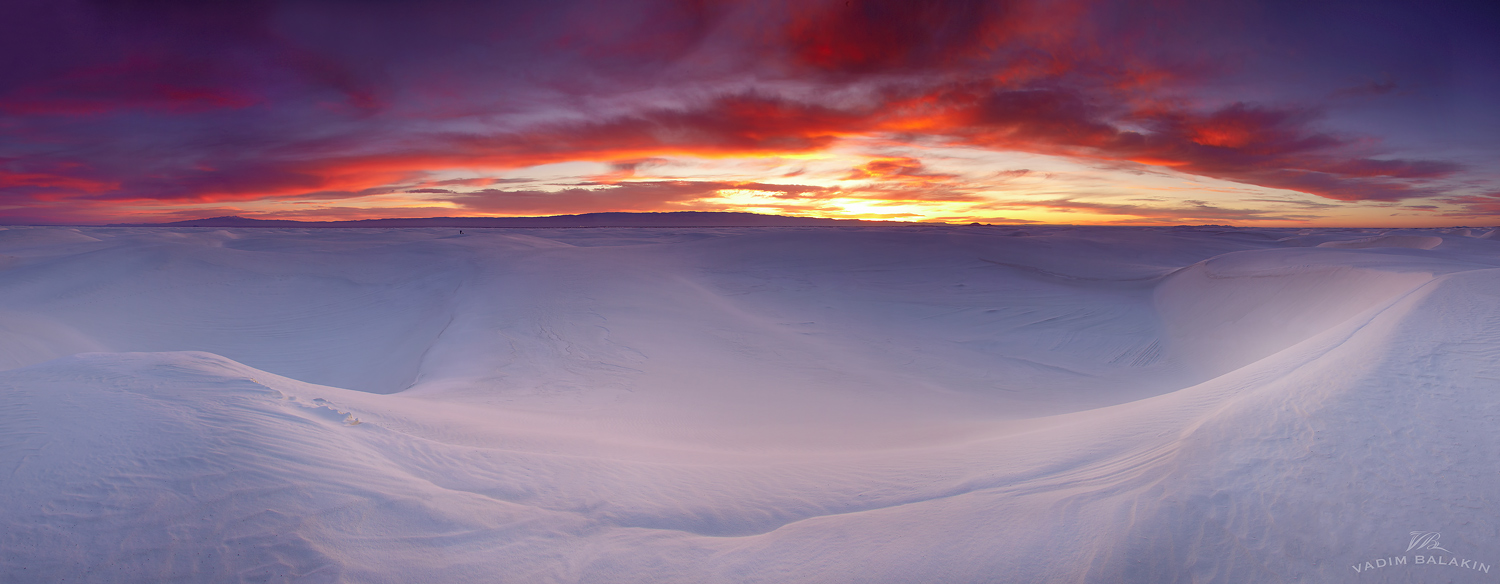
x=1407 y=241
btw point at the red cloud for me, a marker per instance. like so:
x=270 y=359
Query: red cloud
x=1269 y=147
x=861 y=36
x=906 y=179
x=59 y=181
x=731 y=125
x=321 y=170
x=899 y=168
x=1481 y=205
x=624 y=196
x=1272 y=147
x=1007 y=41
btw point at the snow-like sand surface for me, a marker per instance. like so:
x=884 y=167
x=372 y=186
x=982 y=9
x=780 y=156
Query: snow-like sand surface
x=903 y=404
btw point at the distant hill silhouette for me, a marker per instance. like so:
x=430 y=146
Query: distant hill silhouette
x=671 y=219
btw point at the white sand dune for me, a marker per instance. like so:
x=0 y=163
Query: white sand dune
x=903 y=404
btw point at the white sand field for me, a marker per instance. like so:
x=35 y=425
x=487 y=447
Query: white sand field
x=800 y=405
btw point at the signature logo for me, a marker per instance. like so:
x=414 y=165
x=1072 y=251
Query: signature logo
x=1421 y=543
x=1425 y=540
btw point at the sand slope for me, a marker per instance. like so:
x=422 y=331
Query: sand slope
x=946 y=404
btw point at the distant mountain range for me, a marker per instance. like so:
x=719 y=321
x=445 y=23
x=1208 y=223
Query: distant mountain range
x=672 y=219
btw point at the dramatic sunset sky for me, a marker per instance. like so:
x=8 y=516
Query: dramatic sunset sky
x=1333 y=113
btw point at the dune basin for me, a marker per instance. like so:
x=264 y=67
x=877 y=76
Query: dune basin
x=913 y=403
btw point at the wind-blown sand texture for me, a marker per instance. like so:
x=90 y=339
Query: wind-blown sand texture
x=820 y=404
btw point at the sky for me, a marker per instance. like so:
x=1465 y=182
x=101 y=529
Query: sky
x=1371 y=113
